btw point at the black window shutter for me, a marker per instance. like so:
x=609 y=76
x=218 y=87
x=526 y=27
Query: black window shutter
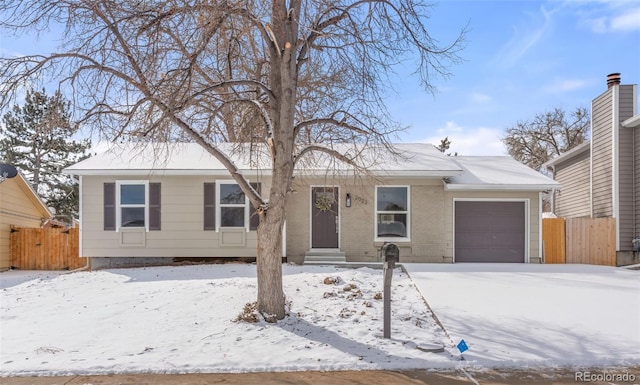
x=154 y=206
x=254 y=218
x=210 y=206
x=109 y=207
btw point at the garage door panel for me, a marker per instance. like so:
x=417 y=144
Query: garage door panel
x=489 y=231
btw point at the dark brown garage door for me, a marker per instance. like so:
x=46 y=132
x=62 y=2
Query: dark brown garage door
x=489 y=231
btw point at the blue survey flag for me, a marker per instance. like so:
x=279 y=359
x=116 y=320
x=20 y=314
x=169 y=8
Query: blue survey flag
x=462 y=346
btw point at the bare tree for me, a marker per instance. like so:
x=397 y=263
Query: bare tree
x=295 y=76
x=547 y=135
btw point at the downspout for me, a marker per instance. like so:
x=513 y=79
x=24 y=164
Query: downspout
x=87 y=265
x=634 y=191
x=633 y=184
x=541 y=255
x=552 y=201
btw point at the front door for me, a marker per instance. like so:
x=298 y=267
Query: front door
x=324 y=217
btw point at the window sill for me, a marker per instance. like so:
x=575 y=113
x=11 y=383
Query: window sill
x=380 y=241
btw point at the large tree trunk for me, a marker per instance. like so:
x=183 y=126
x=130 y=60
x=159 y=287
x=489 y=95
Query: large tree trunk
x=283 y=80
x=271 y=299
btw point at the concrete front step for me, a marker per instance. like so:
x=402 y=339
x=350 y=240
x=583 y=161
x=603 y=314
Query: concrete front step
x=324 y=256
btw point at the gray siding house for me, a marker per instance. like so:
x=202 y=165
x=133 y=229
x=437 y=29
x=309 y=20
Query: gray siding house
x=600 y=178
x=144 y=205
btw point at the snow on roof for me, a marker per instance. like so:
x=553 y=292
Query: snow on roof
x=418 y=159
x=579 y=149
x=497 y=173
x=411 y=160
x=162 y=158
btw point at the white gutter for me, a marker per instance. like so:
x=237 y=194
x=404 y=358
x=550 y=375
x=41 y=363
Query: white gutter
x=225 y=173
x=500 y=187
x=146 y=172
x=634 y=121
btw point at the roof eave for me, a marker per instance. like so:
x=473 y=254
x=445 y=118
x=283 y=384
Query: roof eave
x=568 y=155
x=34 y=197
x=147 y=172
x=633 y=121
x=500 y=187
x=248 y=172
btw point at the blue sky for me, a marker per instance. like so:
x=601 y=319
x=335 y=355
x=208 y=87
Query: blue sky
x=521 y=58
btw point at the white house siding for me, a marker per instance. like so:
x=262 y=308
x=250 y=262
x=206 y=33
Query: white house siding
x=182 y=231
x=626 y=165
x=357 y=223
x=601 y=150
x=572 y=200
x=534 y=214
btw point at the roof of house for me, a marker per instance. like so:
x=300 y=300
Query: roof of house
x=411 y=160
x=568 y=155
x=31 y=194
x=497 y=173
x=192 y=159
x=633 y=121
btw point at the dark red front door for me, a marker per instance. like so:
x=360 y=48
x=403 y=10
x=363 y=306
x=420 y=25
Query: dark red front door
x=324 y=217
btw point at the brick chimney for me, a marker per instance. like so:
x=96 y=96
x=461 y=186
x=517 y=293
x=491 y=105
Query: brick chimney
x=613 y=79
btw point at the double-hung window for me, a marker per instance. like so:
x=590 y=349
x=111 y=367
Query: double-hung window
x=392 y=213
x=133 y=204
x=232 y=206
x=132 y=199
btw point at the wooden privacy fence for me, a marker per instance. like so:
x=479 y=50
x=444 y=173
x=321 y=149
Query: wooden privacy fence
x=579 y=240
x=45 y=249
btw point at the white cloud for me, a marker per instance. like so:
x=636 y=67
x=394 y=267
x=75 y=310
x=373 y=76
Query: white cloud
x=628 y=21
x=477 y=97
x=608 y=16
x=470 y=141
x=524 y=39
x=565 y=85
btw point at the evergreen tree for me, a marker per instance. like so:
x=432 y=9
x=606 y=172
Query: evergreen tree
x=37 y=139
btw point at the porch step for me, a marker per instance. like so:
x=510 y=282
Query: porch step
x=324 y=256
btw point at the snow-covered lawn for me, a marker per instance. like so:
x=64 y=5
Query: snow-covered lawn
x=181 y=319
x=536 y=315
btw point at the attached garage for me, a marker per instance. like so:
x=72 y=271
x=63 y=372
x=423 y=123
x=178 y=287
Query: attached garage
x=490 y=231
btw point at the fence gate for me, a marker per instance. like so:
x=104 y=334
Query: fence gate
x=580 y=240
x=553 y=234
x=45 y=249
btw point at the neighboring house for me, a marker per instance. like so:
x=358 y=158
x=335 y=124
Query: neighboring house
x=171 y=201
x=601 y=178
x=19 y=206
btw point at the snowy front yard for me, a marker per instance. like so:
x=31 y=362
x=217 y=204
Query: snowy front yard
x=181 y=319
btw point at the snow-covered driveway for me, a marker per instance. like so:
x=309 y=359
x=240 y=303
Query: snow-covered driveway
x=532 y=315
